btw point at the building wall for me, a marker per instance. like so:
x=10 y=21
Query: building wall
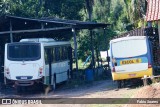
x=159 y=30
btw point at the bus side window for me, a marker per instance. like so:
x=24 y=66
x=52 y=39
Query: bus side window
x=53 y=55
x=65 y=53
x=57 y=54
x=61 y=53
x=46 y=56
x=69 y=51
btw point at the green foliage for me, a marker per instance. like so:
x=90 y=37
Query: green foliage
x=68 y=9
x=124 y=15
x=4 y=6
x=100 y=41
x=84 y=47
x=30 y=8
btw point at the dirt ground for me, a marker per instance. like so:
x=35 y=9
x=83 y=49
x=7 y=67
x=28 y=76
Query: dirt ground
x=100 y=89
x=149 y=93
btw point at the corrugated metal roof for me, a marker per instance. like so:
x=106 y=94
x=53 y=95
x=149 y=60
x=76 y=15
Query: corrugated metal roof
x=74 y=23
x=153 y=10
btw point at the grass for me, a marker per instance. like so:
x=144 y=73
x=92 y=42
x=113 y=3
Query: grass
x=80 y=79
x=82 y=66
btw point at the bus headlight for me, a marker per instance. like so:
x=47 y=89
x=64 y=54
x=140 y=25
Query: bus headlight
x=40 y=71
x=7 y=72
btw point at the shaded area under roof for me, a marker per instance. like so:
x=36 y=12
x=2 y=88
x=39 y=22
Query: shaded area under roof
x=14 y=28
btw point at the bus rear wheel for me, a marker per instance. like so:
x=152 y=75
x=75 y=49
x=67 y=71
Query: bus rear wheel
x=119 y=83
x=54 y=85
x=21 y=89
x=54 y=82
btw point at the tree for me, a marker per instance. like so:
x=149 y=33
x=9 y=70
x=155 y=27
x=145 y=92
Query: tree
x=89 y=7
x=68 y=9
x=4 y=6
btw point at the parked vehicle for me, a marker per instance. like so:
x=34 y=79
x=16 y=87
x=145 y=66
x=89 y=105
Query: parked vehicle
x=38 y=60
x=130 y=57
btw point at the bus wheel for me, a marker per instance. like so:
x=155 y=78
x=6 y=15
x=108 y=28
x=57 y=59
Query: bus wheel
x=123 y=84
x=54 y=85
x=119 y=82
x=19 y=89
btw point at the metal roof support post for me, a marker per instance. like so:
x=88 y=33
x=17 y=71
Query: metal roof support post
x=75 y=48
x=92 y=49
x=11 y=34
x=97 y=52
x=42 y=25
x=107 y=58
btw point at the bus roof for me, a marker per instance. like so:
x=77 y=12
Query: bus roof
x=37 y=40
x=44 y=41
x=127 y=38
x=56 y=43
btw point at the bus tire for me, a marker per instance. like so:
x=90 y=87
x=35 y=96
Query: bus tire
x=119 y=83
x=19 y=89
x=54 y=83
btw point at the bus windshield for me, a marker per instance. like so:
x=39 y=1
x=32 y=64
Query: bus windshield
x=129 y=48
x=23 y=52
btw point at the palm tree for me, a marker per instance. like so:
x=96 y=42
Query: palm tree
x=89 y=7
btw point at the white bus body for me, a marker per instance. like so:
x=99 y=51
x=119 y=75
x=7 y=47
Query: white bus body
x=36 y=60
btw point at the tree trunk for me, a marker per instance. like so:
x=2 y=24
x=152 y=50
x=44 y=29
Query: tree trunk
x=89 y=4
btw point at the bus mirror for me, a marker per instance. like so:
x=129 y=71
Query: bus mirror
x=108 y=59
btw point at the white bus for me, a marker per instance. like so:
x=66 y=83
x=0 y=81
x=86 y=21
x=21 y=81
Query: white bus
x=38 y=60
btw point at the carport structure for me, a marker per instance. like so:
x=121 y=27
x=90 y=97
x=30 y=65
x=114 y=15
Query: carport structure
x=13 y=28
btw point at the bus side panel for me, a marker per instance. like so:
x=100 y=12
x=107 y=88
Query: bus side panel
x=149 y=53
x=59 y=67
x=46 y=67
x=151 y=56
x=5 y=55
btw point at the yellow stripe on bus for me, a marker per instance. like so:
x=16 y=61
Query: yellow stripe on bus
x=128 y=75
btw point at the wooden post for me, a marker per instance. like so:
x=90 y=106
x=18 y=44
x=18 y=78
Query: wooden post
x=106 y=47
x=159 y=30
x=42 y=25
x=145 y=80
x=92 y=49
x=11 y=34
x=97 y=55
x=75 y=48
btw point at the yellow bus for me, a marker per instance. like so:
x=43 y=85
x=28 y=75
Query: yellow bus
x=130 y=58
